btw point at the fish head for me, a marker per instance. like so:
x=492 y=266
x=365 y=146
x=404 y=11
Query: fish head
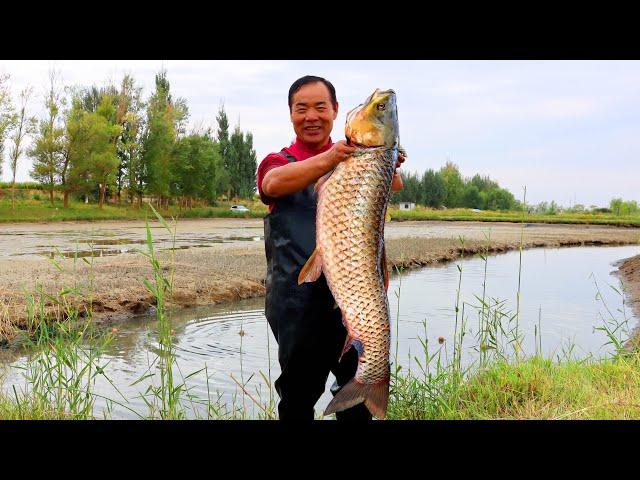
x=374 y=123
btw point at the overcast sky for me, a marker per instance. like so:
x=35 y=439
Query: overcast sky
x=568 y=130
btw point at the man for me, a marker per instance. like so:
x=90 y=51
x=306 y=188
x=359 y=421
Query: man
x=308 y=328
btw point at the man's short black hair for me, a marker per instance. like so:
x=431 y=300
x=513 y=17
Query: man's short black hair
x=298 y=84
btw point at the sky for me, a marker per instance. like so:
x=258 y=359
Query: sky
x=567 y=130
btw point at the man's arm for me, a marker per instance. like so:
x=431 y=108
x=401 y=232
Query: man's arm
x=296 y=176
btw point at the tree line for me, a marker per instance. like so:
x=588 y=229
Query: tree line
x=448 y=188
x=109 y=142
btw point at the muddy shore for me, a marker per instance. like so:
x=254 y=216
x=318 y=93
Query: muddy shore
x=113 y=285
x=629 y=272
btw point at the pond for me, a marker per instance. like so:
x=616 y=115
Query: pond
x=559 y=309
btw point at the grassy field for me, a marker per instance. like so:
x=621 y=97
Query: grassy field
x=30 y=210
x=465 y=214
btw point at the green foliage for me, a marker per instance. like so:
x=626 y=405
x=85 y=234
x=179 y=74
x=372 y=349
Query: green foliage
x=159 y=139
x=412 y=191
x=472 y=197
x=434 y=189
x=7 y=114
x=483 y=184
x=197 y=170
x=448 y=188
x=500 y=199
x=47 y=150
x=454 y=184
x=621 y=208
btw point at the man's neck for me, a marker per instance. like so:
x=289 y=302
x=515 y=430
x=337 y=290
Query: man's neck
x=315 y=147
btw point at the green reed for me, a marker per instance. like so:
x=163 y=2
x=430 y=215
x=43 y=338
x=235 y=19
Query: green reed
x=64 y=358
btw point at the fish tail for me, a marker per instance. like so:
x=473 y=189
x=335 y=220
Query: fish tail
x=375 y=397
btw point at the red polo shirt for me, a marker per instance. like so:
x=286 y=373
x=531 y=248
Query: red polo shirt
x=299 y=150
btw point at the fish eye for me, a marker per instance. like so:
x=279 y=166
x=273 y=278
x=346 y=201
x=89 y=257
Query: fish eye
x=381 y=106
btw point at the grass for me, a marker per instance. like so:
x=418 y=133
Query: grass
x=32 y=205
x=534 y=388
x=66 y=359
x=30 y=210
x=464 y=214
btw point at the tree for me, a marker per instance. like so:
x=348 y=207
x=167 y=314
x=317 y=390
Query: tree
x=434 y=189
x=128 y=118
x=249 y=165
x=23 y=125
x=89 y=151
x=165 y=124
x=103 y=159
x=616 y=206
x=483 y=184
x=455 y=186
x=47 y=150
x=500 y=199
x=130 y=146
x=7 y=114
x=223 y=142
x=472 y=197
x=159 y=139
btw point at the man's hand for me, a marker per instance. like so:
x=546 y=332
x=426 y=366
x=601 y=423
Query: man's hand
x=397 y=184
x=401 y=160
x=339 y=152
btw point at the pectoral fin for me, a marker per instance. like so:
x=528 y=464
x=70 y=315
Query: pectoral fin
x=312 y=269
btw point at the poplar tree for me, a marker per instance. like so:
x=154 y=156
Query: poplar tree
x=47 y=150
x=249 y=165
x=224 y=143
x=23 y=125
x=6 y=114
x=166 y=121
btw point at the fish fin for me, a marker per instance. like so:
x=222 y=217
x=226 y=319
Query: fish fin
x=348 y=396
x=349 y=342
x=347 y=345
x=375 y=397
x=385 y=269
x=335 y=305
x=312 y=269
x=321 y=181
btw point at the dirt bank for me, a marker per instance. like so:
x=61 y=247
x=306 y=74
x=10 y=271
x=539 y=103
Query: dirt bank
x=227 y=272
x=629 y=272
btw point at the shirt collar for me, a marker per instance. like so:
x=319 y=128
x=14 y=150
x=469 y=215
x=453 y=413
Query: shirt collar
x=302 y=152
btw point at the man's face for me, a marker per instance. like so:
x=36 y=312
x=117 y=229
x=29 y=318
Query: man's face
x=313 y=113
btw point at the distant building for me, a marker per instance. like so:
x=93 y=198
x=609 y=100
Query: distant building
x=406 y=205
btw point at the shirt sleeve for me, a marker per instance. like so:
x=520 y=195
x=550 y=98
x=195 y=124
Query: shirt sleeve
x=270 y=162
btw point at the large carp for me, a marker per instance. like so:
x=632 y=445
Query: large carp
x=352 y=204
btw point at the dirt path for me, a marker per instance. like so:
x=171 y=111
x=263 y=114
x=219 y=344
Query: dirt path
x=232 y=270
